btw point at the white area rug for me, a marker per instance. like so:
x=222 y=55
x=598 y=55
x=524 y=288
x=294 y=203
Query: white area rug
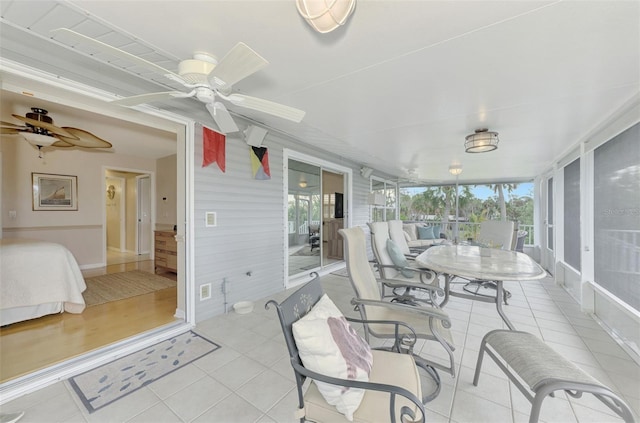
x=105 y=384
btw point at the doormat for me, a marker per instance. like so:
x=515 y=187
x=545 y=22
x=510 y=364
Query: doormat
x=103 y=385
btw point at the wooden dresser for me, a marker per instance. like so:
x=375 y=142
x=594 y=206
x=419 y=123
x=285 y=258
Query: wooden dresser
x=166 y=258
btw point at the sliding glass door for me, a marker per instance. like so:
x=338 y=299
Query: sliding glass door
x=317 y=206
x=304 y=220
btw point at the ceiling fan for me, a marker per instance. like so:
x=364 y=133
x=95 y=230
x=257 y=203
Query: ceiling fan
x=39 y=130
x=207 y=79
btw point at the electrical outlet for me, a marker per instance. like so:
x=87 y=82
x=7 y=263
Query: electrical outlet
x=205 y=291
x=211 y=219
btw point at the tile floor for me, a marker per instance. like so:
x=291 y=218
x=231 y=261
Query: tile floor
x=250 y=380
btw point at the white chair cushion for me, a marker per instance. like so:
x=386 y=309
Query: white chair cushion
x=389 y=368
x=328 y=345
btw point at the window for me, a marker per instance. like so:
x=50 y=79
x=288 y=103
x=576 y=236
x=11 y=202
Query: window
x=617 y=216
x=550 y=214
x=572 y=214
x=388 y=189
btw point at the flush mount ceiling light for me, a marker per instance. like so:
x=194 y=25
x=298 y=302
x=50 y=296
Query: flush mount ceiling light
x=455 y=169
x=325 y=15
x=303 y=182
x=481 y=142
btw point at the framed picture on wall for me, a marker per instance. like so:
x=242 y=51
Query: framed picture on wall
x=54 y=192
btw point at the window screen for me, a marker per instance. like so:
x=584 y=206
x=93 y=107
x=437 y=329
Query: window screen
x=617 y=216
x=550 y=214
x=572 y=214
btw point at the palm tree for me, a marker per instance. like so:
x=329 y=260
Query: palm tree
x=498 y=189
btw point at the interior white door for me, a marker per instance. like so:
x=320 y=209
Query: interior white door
x=144 y=215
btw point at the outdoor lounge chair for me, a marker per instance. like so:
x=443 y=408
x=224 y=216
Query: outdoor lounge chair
x=423 y=321
x=392 y=392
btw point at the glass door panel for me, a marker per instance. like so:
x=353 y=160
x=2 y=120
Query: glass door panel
x=304 y=217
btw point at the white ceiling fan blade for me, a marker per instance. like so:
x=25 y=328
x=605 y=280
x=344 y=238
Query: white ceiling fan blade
x=222 y=117
x=148 y=98
x=239 y=63
x=265 y=106
x=67 y=34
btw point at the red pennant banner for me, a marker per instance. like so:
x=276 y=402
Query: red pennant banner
x=213 y=148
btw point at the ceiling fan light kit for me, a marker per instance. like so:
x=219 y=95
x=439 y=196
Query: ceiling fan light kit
x=481 y=141
x=39 y=140
x=325 y=15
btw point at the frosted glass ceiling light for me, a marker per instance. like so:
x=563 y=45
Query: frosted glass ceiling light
x=481 y=142
x=39 y=140
x=325 y=15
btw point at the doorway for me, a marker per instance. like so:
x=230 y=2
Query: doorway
x=317 y=203
x=127 y=216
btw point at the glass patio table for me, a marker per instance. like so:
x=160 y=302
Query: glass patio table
x=480 y=263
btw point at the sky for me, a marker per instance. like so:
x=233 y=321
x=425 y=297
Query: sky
x=483 y=192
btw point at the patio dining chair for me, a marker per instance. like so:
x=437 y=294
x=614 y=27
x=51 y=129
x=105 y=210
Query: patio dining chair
x=392 y=264
x=425 y=321
x=397 y=235
x=493 y=234
x=349 y=380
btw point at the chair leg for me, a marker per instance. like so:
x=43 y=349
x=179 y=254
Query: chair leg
x=433 y=373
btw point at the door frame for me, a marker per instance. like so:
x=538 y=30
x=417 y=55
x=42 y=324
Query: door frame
x=347 y=173
x=140 y=200
x=138 y=172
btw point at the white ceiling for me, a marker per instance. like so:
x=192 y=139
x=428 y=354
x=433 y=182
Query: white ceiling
x=397 y=88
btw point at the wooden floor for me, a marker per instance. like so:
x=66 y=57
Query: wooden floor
x=38 y=343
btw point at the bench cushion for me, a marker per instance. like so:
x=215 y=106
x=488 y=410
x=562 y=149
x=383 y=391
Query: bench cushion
x=534 y=361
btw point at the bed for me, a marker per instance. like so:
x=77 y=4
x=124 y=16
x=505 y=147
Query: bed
x=38 y=278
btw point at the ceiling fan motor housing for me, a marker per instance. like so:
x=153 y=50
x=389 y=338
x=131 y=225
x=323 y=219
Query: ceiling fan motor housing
x=41 y=116
x=195 y=71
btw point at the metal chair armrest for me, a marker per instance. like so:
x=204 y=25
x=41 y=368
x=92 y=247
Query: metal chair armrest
x=426 y=311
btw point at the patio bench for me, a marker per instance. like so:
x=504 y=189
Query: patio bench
x=543 y=370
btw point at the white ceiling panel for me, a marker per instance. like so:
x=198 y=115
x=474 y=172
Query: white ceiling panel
x=397 y=88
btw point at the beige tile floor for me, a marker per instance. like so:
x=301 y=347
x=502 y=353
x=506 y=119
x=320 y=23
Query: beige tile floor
x=250 y=379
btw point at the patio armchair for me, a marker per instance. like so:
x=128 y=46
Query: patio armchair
x=397 y=235
x=357 y=382
x=392 y=264
x=425 y=321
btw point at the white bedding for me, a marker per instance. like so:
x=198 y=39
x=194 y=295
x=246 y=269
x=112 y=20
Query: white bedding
x=38 y=278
